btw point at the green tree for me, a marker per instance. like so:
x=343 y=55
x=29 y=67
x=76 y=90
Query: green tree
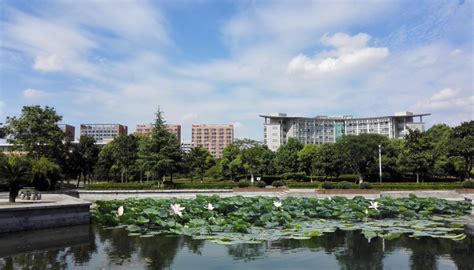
x=360 y=153
x=161 y=152
x=417 y=153
x=330 y=161
x=286 y=159
x=86 y=154
x=45 y=173
x=201 y=161
x=124 y=154
x=461 y=144
x=230 y=167
x=439 y=136
x=105 y=162
x=252 y=160
x=36 y=132
x=15 y=171
x=308 y=158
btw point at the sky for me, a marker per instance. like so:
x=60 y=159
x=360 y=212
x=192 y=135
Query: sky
x=220 y=62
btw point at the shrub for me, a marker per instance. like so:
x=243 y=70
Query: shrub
x=277 y=183
x=293 y=184
x=345 y=185
x=261 y=184
x=297 y=176
x=468 y=184
x=120 y=186
x=243 y=183
x=327 y=185
x=365 y=185
x=270 y=178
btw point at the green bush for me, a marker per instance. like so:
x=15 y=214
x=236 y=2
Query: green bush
x=327 y=185
x=415 y=186
x=270 y=178
x=277 y=183
x=261 y=184
x=365 y=185
x=120 y=186
x=243 y=183
x=297 y=176
x=293 y=184
x=345 y=185
x=468 y=184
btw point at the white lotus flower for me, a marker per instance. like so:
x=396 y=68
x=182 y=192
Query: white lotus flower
x=120 y=211
x=176 y=209
x=366 y=211
x=374 y=205
x=329 y=198
x=277 y=204
x=210 y=207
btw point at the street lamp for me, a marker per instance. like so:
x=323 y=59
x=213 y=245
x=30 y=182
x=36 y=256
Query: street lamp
x=380 y=163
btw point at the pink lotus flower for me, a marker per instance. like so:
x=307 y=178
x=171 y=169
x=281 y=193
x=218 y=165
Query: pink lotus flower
x=176 y=209
x=210 y=207
x=120 y=211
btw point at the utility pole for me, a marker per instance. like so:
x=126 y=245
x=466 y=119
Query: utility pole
x=380 y=163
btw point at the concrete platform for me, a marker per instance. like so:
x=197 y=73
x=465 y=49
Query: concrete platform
x=54 y=210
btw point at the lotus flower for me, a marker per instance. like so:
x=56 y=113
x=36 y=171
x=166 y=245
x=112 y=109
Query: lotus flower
x=176 y=209
x=374 y=205
x=210 y=207
x=329 y=198
x=366 y=211
x=120 y=211
x=277 y=204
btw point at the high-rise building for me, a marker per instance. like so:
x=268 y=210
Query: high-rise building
x=69 y=131
x=279 y=127
x=186 y=147
x=146 y=129
x=212 y=137
x=103 y=133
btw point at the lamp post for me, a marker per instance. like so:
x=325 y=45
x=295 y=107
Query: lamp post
x=380 y=163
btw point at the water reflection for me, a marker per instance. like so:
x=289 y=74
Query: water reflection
x=91 y=247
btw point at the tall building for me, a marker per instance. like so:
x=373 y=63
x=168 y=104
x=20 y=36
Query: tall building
x=103 y=133
x=212 y=137
x=69 y=130
x=186 y=147
x=145 y=129
x=279 y=127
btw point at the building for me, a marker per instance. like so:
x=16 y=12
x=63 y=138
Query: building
x=212 y=137
x=103 y=133
x=186 y=147
x=279 y=127
x=146 y=129
x=69 y=131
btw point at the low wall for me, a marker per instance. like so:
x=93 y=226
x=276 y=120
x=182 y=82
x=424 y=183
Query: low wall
x=52 y=211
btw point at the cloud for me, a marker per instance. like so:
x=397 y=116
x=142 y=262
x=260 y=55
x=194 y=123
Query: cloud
x=351 y=52
x=48 y=63
x=34 y=94
x=448 y=99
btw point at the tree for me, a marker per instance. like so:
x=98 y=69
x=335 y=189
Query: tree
x=252 y=160
x=229 y=166
x=36 y=132
x=201 y=161
x=124 y=153
x=161 y=152
x=105 y=161
x=45 y=173
x=286 y=159
x=15 y=171
x=308 y=158
x=330 y=161
x=86 y=154
x=361 y=152
x=439 y=136
x=461 y=144
x=417 y=153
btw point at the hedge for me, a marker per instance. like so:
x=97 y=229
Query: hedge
x=293 y=184
x=416 y=186
x=120 y=186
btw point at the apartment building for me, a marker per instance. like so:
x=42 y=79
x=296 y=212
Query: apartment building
x=103 y=133
x=212 y=137
x=69 y=131
x=278 y=127
x=146 y=129
x=186 y=147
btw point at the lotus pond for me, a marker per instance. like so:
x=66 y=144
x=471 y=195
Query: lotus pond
x=253 y=220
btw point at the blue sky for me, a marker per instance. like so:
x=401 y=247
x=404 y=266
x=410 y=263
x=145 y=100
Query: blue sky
x=229 y=61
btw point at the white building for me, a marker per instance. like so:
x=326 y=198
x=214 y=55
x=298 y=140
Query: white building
x=186 y=146
x=278 y=127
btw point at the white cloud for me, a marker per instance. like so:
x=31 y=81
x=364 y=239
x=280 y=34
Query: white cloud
x=189 y=117
x=34 y=94
x=48 y=63
x=351 y=52
x=448 y=99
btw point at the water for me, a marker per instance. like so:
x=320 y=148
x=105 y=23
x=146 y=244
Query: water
x=92 y=247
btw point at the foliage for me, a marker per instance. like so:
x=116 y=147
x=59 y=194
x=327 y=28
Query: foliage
x=201 y=161
x=468 y=183
x=45 y=174
x=328 y=185
x=345 y=185
x=297 y=176
x=14 y=171
x=256 y=219
x=85 y=155
x=308 y=158
x=461 y=144
x=286 y=158
x=243 y=183
x=261 y=184
x=293 y=184
x=277 y=183
x=36 y=132
x=121 y=186
x=417 y=155
x=365 y=185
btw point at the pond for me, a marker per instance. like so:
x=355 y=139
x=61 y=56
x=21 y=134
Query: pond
x=93 y=247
